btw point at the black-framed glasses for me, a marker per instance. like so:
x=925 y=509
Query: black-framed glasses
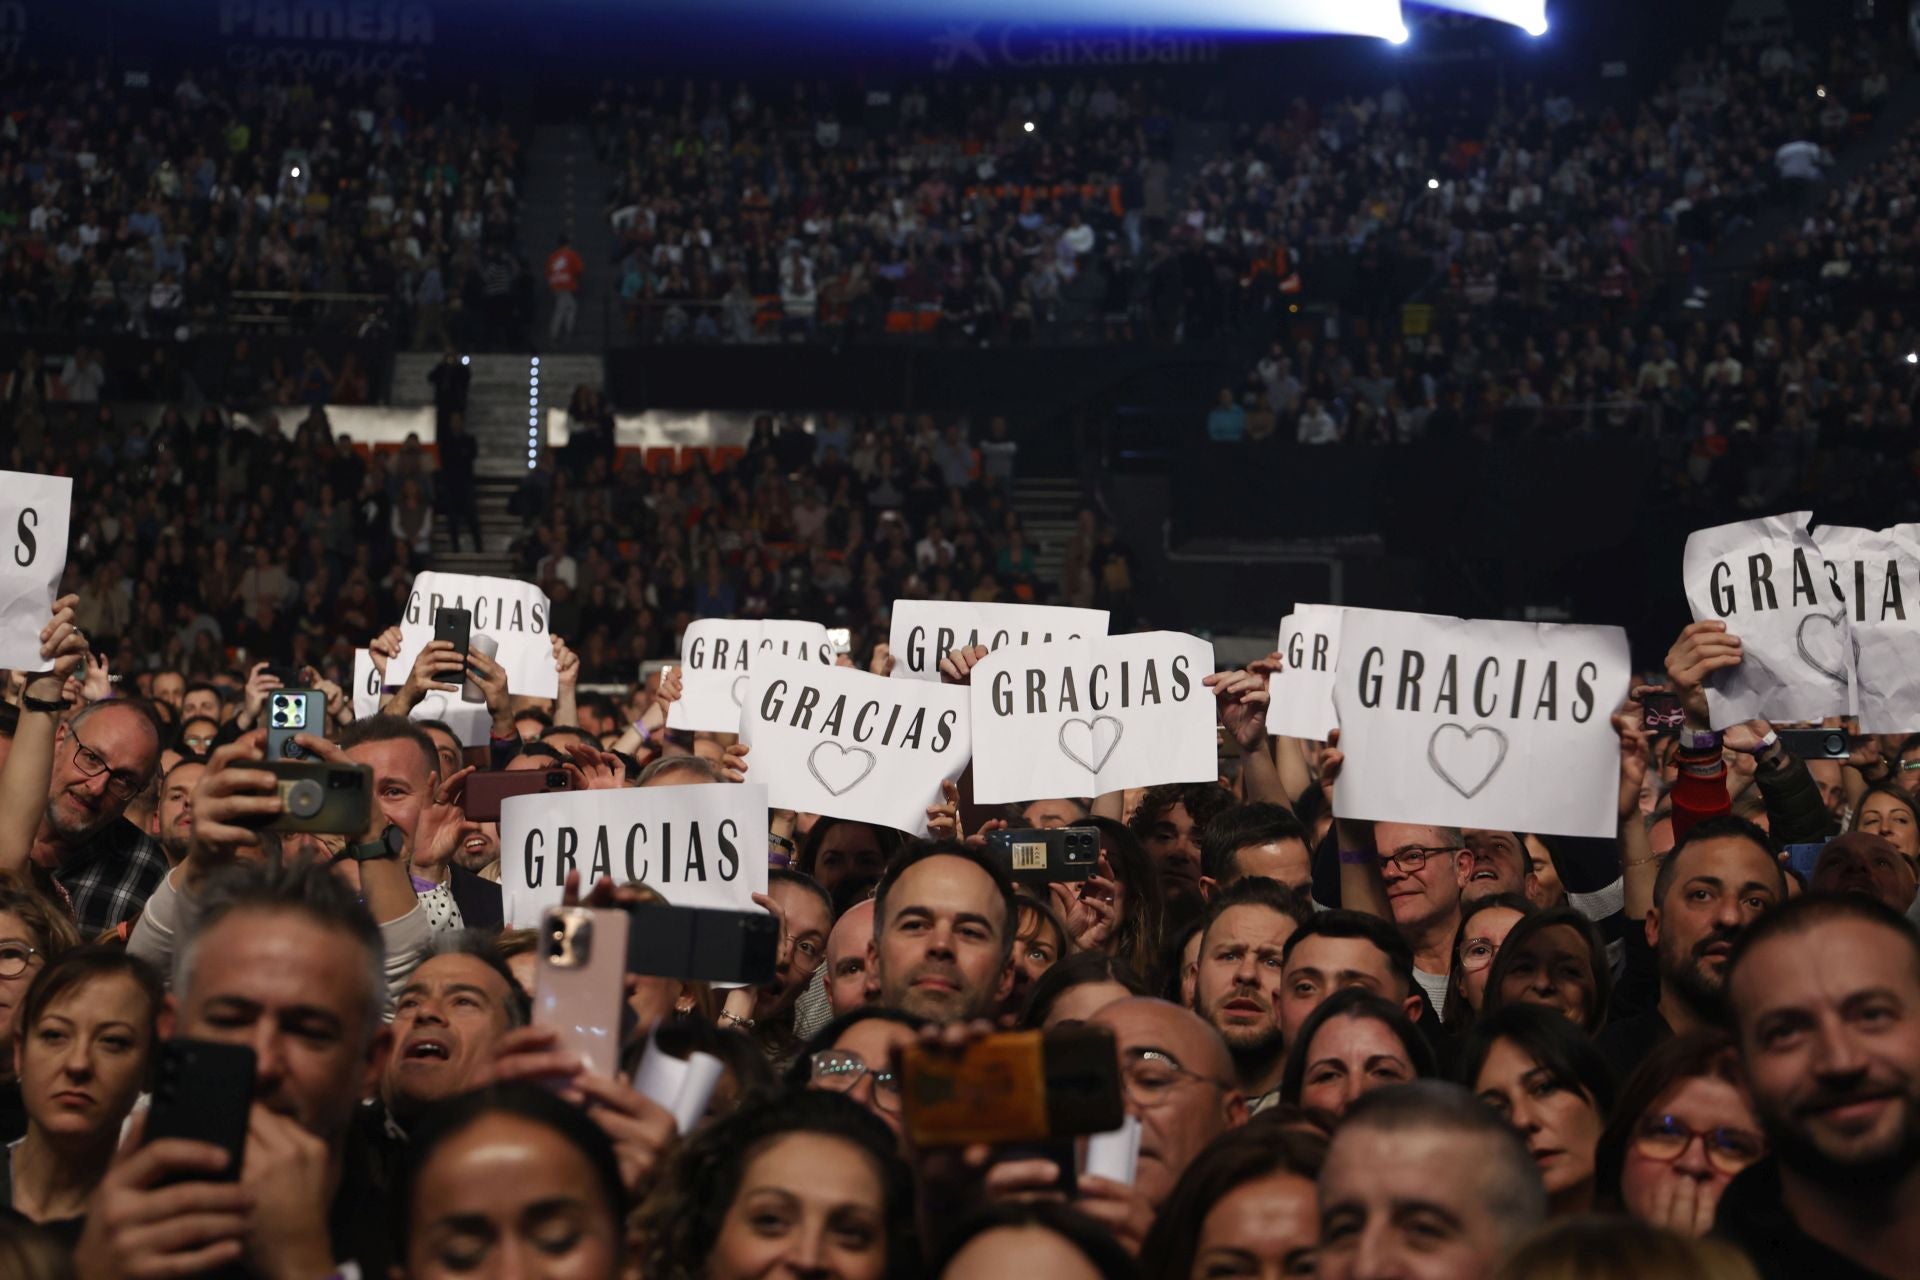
x=1728 y=1150
x=839 y=1070
x=15 y=957
x=1409 y=861
x=122 y=784
x=1150 y=1076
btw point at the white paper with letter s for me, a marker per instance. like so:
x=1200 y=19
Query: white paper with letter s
x=514 y=613
x=924 y=631
x=1300 y=694
x=850 y=744
x=700 y=845
x=1459 y=723
x=715 y=656
x=35 y=512
x=1768 y=581
x=1093 y=716
x=1879 y=573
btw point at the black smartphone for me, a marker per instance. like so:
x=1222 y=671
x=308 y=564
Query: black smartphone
x=291 y=712
x=455 y=626
x=1046 y=855
x=330 y=799
x=702 y=944
x=1816 y=744
x=201 y=1090
x=1661 y=711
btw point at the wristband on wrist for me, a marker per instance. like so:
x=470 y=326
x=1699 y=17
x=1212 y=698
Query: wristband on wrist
x=1699 y=740
x=50 y=706
x=1357 y=857
x=646 y=734
x=1763 y=746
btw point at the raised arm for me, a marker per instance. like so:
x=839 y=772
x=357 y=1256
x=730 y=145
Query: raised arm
x=28 y=770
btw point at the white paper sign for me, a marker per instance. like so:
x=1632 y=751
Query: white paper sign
x=1460 y=723
x=514 y=613
x=34 y=513
x=924 y=631
x=683 y=1086
x=1768 y=581
x=369 y=689
x=1300 y=694
x=850 y=744
x=715 y=656
x=1092 y=716
x=1879 y=572
x=471 y=722
x=699 y=845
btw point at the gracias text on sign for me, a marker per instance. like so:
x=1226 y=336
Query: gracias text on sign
x=716 y=655
x=516 y=614
x=924 y=631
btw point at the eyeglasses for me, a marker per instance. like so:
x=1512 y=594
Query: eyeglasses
x=121 y=785
x=201 y=741
x=1477 y=954
x=807 y=954
x=1728 y=1150
x=1149 y=1077
x=1409 y=861
x=15 y=957
x=839 y=1070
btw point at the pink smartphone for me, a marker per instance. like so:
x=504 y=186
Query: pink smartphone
x=579 y=987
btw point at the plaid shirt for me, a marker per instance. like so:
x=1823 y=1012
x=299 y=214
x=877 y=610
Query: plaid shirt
x=110 y=876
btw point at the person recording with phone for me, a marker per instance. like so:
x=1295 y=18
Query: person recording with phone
x=86 y=1039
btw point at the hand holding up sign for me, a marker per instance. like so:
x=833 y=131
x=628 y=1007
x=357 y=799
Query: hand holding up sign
x=1702 y=649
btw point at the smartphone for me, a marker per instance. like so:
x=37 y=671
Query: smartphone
x=702 y=944
x=579 y=982
x=485 y=791
x=1804 y=857
x=454 y=626
x=1012 y=1087
x=328 y=799
x=201 y=1090
x=287 y=676
x=1039 y=855
x=291 y=712
x=1816 y=744
x=1661 y=711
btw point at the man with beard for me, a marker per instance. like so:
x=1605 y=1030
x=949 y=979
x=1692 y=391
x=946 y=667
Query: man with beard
x=1825 y=996
x=1710 y=888
x=173 y=815
x=102 y=759
x=944 y=920
x=1238 y=980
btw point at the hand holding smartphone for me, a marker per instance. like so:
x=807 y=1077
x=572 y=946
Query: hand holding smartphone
x=579 y=983
x=201 y=1091
x=1013 y=1087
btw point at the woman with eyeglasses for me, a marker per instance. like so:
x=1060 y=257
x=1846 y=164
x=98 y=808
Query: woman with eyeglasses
x=805 y=913
x=853 y=1055
x=1543 y=1075
x=86 y=1035
x=1683 y=1128
x=1484 y=927
x=33 y=934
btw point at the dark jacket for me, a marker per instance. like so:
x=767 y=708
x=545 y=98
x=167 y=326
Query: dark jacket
x=478 y=899
x=1753 y=1215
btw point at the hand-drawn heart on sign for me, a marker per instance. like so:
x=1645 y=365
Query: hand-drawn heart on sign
x=739 y=689
x=1089 y=733
x=1455 y=757
x=1819 y=638
x=839 y=763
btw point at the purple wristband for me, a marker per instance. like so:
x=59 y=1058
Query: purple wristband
x=1357 y=857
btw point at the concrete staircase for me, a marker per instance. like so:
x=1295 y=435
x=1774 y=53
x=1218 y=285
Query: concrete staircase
x=565 y=195
x=1049 y=508
x=507 y=403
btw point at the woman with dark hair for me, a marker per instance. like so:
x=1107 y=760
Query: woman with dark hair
x=1136 y=933
x=1040 y=941
x=853 y=1055
x=1682 y=1129
x=1038 y=1239
x=1355 y=1042
x=838 y=849
x=511 y=1170
x=1889 y=812
x=84 y=1039
x=1543 y=1074
x=1244 y=1207
x=1077 y=988
x=1554 y=958
x=1484 y=927
x=34 y=932
x=810 y=1170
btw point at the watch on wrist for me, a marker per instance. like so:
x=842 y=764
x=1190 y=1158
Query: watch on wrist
x=382 y=848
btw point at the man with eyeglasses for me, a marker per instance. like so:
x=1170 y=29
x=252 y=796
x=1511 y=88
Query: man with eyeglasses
x=1825 y=996
x=102 y=758
x=1419 y=871
x=1177 y=1079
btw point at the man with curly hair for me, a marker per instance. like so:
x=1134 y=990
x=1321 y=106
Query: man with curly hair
x=1172 y=822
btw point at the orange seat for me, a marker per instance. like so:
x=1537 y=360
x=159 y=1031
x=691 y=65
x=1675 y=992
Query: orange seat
x=724 y=457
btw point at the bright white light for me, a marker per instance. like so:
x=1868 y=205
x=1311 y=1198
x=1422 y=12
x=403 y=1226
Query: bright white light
x=1820 y=91
x=1399 y=36
x=1528 y=15
x=1433 y=184
x=1913 y=357
x=536 y=362
x=466 y=359
x=296 y=168
x=1028 y=126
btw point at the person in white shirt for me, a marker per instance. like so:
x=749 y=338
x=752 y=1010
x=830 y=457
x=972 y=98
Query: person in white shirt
x=1317 y=425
